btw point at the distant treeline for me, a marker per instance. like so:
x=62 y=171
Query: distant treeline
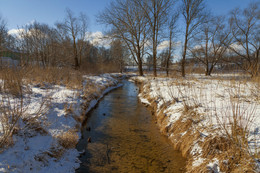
x=143 y=32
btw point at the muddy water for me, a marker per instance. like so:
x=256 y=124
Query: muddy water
x=125 y=138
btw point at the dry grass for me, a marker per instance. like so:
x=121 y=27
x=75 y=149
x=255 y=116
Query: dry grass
x=68 y=139
x=12 y=82
x=229 y=147
x=55 y=152
x=15 y=97
x=100 y=68
x=11 y=111
x=54 y=75
x=91 y=91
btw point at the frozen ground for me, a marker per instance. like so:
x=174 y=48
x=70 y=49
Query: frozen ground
x=56 y=110
x=214 y=102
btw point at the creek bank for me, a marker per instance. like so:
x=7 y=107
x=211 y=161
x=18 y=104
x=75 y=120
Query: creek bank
x=124 y=137
x=46 y=141
x=186 y=120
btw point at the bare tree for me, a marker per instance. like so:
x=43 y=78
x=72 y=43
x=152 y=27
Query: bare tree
x=82 y=43
x=128 y=23
x=245 y=30
x=75 y=29
x=118 y=53
x=3 y=34
x=211 y=43
x=157 y=14
x=172 y=33
x=193 y=13
x=37 y=40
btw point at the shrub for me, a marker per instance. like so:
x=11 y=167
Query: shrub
x=68 y=139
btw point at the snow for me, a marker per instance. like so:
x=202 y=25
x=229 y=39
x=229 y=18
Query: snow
x=214 y=166
x=145 y=101
x=32 y=149
x=215 y=99
x=197 y=162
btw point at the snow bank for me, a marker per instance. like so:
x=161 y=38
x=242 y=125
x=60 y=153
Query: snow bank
x=194 y=111
x=37 y=149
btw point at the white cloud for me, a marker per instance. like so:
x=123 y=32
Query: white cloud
x=165 y=44
x=15 y=32
x=237 y=47
x=98 y=39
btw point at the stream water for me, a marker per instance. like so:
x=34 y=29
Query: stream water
x=121 y=136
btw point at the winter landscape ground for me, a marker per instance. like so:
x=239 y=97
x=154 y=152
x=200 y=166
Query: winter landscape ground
x=41 y=127
x=193 y=92
x=213 y=120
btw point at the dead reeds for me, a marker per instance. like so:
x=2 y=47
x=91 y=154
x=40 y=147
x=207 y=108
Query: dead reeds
x=222 y=135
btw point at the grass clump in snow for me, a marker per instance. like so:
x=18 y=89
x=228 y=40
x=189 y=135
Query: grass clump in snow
x=68 y=139
x=11 y=112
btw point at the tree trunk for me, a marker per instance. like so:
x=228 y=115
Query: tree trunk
x=210 y=70
x=75 y=54
x=207 y=71
x=167 y=67
x=183 y=62
x=140 y=68
x=154 y=63
x=140 y=64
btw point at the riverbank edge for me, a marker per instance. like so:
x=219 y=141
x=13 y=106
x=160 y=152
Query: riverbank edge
x=54 y=150
x=185 y=134
x=88 y=106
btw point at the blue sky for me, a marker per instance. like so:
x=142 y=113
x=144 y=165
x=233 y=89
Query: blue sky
x=20 y=12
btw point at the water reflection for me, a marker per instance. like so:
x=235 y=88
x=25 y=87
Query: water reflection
x=124 y=138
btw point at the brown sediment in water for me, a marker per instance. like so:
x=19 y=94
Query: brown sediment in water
x=127 y=138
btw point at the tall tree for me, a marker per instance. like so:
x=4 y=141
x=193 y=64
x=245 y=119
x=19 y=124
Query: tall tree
x=172 y=26
x=3 y=35
x=245 y=30
x=82 y=43
x=37 y=40
x=193 y=13
x=157 y=14
x=74 y=28
x=128 y=23
x=118 y=53
x=211 y=43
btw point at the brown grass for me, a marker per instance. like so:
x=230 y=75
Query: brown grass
x=54 y=75
x=231 y=147
x=12 y=82
x=14 y=87
x=55 y=152
x=68 y=139
x=10 y=114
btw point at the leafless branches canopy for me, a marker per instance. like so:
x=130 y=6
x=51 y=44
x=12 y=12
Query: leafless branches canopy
x=146 y=31
x=193 y=14
x=245 y=31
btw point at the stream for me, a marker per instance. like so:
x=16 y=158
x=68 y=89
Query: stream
x=121 y=135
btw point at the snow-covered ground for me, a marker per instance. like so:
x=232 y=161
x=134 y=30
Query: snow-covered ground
x=57 y=110
x=196 y=111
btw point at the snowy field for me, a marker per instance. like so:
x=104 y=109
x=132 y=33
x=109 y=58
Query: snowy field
x=196 y=112
x=49 y=122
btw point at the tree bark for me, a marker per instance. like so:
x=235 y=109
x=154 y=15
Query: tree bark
x=75 y=54
x=183 y=62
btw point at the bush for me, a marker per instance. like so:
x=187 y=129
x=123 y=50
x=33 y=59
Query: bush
x=68 y=139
